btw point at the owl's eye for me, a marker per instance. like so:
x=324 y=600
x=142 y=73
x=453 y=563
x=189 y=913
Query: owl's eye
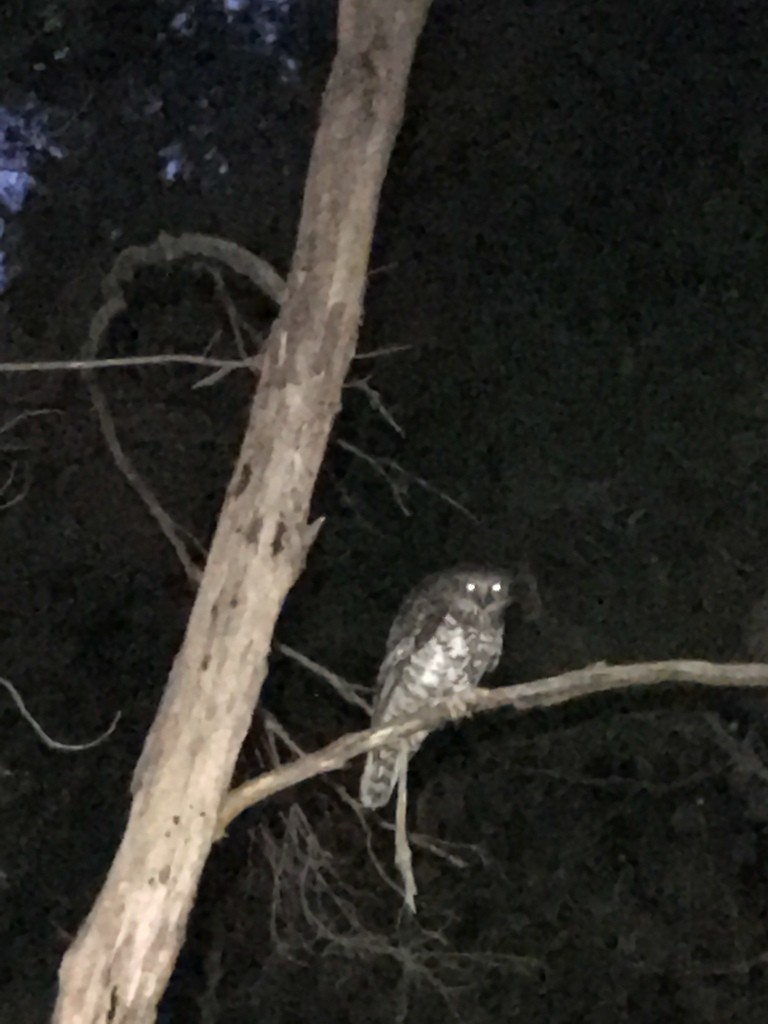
x=471 y=587
x=496 y=587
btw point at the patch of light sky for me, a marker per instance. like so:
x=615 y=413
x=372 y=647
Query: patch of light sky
x=260 y=24
x=263 y=25
x=23 y=133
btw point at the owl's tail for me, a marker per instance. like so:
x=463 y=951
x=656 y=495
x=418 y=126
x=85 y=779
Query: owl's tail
x=379 y=777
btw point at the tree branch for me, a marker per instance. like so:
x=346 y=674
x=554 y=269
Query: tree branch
x=541 y=693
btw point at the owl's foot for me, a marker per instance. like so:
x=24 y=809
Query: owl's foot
x=457 y=706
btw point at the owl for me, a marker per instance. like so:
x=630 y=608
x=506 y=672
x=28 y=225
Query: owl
x=448 y=633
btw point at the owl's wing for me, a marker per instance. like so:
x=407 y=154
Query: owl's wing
x=493 y=661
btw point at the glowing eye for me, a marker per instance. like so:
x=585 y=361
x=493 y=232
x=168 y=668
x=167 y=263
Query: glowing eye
x=496 y=588
x=471 y=587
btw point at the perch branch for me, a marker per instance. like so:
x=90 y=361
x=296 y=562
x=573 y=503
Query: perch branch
x=547 y=692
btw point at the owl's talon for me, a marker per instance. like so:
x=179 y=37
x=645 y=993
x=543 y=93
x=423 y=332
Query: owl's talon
x=456 y=706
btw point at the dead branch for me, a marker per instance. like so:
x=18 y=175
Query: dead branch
x=399 y=478
x=345 y=689
x=42 y=735
x=121 y=960
x=438 y=848
x=116 y=362
x=7 y=503
x=376 y=402
x=163 y=359
x=541 y=693
x=403 y=858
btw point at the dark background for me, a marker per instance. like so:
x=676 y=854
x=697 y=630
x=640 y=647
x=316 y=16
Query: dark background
x=572 y=240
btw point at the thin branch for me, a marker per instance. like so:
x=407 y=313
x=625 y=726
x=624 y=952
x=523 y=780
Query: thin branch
x=389 y=350
x=547 y=692
x=125 y=464
x=437 y=847
x=398 y=479
x=163 y=359
x=171 y=248
x=28 y=414
x=380 y=466
x=117 y=361
x=741 y=752
x=6 y=486
x=275 y=728
x=403 y=858
x=43 y=736
x=344 y=689
x=618 y=782
x=376 y=402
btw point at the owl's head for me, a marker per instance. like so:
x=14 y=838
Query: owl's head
x=485 y=589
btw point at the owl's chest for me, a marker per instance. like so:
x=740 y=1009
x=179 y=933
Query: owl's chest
x=454 y=659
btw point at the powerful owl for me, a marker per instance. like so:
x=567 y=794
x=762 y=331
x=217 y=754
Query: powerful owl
x=448 y=633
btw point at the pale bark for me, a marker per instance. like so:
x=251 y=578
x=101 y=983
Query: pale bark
x=120 y=962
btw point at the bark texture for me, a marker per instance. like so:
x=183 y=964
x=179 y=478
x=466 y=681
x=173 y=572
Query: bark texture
x=122 y=958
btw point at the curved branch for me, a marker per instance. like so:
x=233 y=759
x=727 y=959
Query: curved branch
x=42 y=735
x=164 y=250
x=540 y=693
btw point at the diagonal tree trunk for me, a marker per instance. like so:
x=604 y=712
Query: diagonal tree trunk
x=118 y=966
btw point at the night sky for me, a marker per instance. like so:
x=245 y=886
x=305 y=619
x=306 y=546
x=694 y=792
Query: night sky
x=570 y=260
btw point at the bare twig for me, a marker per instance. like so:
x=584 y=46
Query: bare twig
x=547 y=692
x=389 y=350
x=28 y=414
x=376 y=402
x=65 y=365
x=125 y=464
x=438 y=848
x=6 y=486
x=618 y=782
x=741 y=752
x=398 y=479
x=163 y=359
x=171 y=248
x=43 y=736
x=403 y=858
x=233 y=316
x=395 y=480
x=441 y=848
x=274 y=727
x=345 y=690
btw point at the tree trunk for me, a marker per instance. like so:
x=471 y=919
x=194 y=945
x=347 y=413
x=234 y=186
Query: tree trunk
x=122 y=958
